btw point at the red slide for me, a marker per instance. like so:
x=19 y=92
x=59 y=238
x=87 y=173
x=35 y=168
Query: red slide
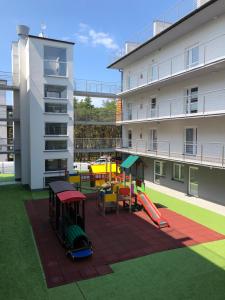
x=152 y=210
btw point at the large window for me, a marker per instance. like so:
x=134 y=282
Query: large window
x=55 y=165
x=56 y=145
x=55 y=108
x=154 y=72
x=55 y=61
x=159 y=170
x=55 y=128
x=192 y=56
x=192 y=100
x=55 y=91
x=178 y=172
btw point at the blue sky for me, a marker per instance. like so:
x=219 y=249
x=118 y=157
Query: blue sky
x=99 y=28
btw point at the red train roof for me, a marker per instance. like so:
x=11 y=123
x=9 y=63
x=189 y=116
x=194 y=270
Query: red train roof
x=71 y=196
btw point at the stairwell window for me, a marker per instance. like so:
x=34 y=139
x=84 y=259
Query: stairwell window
x=178 y=172
x=55 y=128
x=55 y=145
x=55 y=91
x=55 y=61
x=192 y=56
x=55 y=165
x=56 y=108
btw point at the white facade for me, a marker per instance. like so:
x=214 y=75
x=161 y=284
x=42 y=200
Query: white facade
x=3 y=124
x=174 y=99
x=44 y=105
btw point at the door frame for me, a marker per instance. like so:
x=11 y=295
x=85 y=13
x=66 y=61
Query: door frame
x=189 y=179
x=196 y=138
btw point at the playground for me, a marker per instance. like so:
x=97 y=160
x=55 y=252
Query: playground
x=113 y=222
x=184 y=273
x=115 y=238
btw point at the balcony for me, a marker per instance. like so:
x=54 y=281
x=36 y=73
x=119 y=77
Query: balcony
x=206 y=154
x=194 y=106
x=55 y=68
x=95 y=144
x=196 y=58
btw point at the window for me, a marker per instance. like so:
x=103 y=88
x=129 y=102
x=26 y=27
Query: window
x=192 y=100
x=160 y=169
x=55 y=91
x=190 y=145
x=178 y=172
x=55 y=145
x=129 y=111
x=55 y=61
x=56 y=128
x=154 y=72
x=192 y=56
x=130 y=138
x=55 y=165
x=153 y=108
x=56 y=108
x=153 y=144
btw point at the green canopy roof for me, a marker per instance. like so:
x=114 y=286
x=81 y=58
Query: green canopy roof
x=127 y=163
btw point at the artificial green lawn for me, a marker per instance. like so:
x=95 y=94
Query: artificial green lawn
x=7 y=177
x=188 y=273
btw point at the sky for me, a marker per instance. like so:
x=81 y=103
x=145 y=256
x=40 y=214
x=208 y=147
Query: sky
x=98 y=27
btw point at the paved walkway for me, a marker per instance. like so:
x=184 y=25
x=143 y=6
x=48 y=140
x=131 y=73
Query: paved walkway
x=217 y=208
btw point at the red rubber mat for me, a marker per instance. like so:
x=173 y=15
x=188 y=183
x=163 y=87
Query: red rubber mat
x=115 y=238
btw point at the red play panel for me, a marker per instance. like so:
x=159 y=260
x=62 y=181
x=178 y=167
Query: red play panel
x=115 y=238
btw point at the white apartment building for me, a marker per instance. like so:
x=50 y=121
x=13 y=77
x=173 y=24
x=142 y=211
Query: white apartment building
x=3 y=123
x=43 y=104
x=174 y=103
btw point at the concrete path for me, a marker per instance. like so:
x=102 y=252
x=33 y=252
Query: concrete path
x=217 y=208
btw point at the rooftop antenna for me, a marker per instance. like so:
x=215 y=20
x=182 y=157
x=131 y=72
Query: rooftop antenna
x=43 y=28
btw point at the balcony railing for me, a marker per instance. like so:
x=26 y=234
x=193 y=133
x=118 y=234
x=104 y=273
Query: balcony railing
x=55 y=68
x=101 y=116
x=199 y=104
x=205 y=53
x=210 y=154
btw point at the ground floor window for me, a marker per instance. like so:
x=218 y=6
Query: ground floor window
x=55 y=165
x=160 y=169
x=178 y=172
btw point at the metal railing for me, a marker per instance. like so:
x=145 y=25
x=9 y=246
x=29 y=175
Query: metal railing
x=207 y=52
x=55 y=68
x=93 y=86
x=199 y=104
x=95 y=116
x=199 y=153
x=8 y=79
x=95 y=143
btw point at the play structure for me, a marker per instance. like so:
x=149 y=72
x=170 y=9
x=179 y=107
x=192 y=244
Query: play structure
x=67 y=217
x=123 y=190
x=137 y=191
